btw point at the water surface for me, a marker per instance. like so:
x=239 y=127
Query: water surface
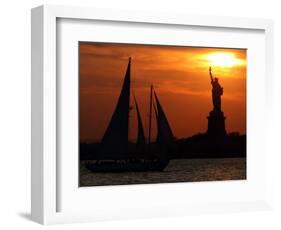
x=180 y=170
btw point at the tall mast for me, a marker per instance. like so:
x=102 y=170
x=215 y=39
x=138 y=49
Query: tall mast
x=150 y=114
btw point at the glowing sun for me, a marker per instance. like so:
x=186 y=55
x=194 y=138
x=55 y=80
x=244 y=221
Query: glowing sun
x=222 y=59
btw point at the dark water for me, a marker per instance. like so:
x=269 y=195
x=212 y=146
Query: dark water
x=181 y=170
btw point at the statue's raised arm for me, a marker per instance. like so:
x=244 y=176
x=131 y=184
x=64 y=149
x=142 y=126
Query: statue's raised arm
x=210 y=72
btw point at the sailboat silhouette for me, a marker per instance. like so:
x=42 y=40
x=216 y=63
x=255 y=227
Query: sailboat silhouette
x=115 y=153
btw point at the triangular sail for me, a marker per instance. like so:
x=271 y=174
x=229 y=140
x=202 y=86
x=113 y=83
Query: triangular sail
x=115 y=139
x=141 y=137
x=159 y=131
x=165 y=134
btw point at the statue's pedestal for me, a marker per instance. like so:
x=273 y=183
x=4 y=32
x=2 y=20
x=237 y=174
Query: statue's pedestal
x=216 y=123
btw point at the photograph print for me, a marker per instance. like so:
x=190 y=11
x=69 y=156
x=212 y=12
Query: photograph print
x=161 y=114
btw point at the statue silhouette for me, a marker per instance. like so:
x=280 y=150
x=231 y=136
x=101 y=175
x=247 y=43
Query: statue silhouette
x=216 y=118
x=217 y=91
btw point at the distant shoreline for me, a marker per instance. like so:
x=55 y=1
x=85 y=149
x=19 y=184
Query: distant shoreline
x=198 y=146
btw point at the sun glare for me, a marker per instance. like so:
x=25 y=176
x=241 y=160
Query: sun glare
x=225 y=60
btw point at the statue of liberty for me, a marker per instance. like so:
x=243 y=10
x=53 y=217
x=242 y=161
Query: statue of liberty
x=217 y=91
x=216 y=118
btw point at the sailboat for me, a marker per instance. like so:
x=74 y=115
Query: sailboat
x=115 y=152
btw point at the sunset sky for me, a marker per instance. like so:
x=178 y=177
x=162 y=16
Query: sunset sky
x=180 y=77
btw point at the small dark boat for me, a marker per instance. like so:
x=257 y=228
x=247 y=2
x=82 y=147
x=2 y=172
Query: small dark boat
x=115 y=154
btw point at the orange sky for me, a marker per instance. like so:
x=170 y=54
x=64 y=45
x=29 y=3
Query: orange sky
x=180 y=77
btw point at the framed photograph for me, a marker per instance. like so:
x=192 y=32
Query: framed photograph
x=140 y=114
x=177 y=90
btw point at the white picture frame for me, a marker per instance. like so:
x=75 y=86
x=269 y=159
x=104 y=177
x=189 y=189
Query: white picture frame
x=45 y=162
